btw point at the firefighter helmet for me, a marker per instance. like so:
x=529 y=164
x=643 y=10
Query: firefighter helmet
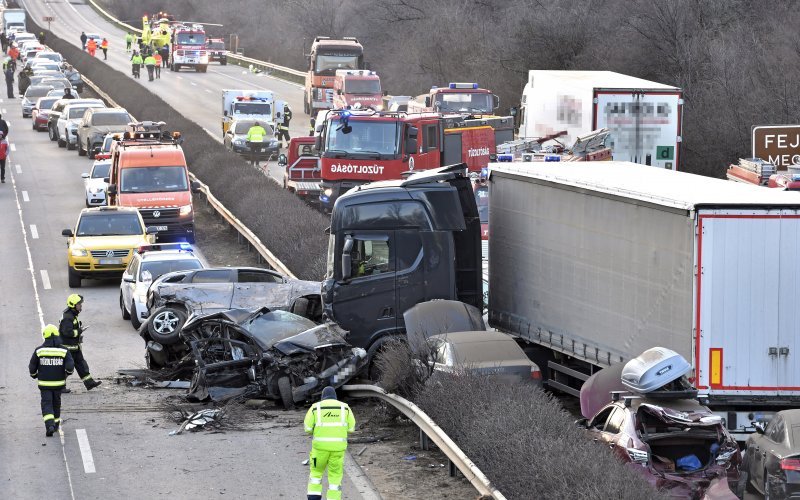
x=74 y=299
x=49 y=331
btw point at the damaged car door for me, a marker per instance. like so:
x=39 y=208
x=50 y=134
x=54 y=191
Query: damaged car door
x=214 y=295
x=607 y=425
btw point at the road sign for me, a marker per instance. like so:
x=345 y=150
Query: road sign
x=48 y=19
x=777 y=144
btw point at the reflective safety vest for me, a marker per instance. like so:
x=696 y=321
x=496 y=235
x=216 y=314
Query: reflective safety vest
x=150 y=61
x=137 y=59
x=256 y=134
x=104 y=44
x=51 y=364
x=330 y=421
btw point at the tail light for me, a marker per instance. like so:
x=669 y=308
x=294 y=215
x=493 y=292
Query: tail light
x=790 y=464
x=535 y=373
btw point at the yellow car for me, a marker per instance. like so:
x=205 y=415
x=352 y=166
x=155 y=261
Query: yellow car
x=103 y=241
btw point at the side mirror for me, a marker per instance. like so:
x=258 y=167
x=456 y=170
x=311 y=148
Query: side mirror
x=196 y=186
x=282 y=160
x=759 y=427
x=128 y=278
x=347 y=259
x=427 y=101
x=106 y=180
x=85 y=175
x=496 y=101
x=151 y=230
x=67 y=232
x=318 y=142
x=111 y=189
x=513 y=111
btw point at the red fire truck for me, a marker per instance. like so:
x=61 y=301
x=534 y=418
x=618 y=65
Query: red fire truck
x=326 y=57
x=464 y=98
x=360 y=146
x=188 y=48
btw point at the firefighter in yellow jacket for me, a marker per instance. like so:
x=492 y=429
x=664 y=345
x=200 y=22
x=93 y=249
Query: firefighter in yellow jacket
x=329 y=422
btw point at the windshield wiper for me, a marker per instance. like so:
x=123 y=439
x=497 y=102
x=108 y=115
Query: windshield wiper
x=337 y=153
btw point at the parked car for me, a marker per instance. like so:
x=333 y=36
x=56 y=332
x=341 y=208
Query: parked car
x=95 y=183
x=175 y=296
x=771 y=464
x=71 y=115
x=96 y=123
x=236 y=139
x=279 y=354
x=147 y=264
x=56 y=113
x=32 y=95
x=51 y=56
x=74 y=77
x=44 y=65
x=57 y=82
x=41 y=111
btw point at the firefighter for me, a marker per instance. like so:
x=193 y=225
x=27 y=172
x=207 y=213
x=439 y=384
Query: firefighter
x=150 y=64
x=329 y=422
x=71 y=331
x=104 y=48
x=311 y=127
x=283 y=127
x=128 y=41
x=136 y=63
x=255 y=137
x=51 y=364
x=41 y=37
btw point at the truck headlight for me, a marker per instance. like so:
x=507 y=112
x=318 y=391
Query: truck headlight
x=78 y=252
x=185 y=210
x=327 y=191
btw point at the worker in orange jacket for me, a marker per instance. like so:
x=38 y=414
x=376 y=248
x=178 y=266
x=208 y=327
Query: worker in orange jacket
x=104 y=48
x=13 y=52
x=159 y=61
x=91 y=46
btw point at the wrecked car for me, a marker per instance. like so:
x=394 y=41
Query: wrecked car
x=772 y=457
x=645 y=412
x=173 y=297
x=278 y=354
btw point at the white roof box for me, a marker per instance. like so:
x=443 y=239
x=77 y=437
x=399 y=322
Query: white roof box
x=653 y=369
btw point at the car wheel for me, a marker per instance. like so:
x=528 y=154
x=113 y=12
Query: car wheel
x=51 y=133
x=69 y=145
x=285 y=390
x=165 y=325
x=73 y=278
x=135 y=321
x=125 y=313
x=81 y=152
x=767 y=487
x=90 y=150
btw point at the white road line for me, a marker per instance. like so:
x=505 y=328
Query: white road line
x=34 y=232
x=66 y=464
x=25 y=196
x=30 y=259
x=12 y=146
x=45 y=279
x=252 y=85
x=19 y=168
x=213 y=135
x=208 y=90
x=86 y=451
x=193 y=84
x=179 y=77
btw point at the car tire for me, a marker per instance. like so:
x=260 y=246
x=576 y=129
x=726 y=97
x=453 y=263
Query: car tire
x=73 y=278
x=285 y=390
x=51 y=133
x=68 y=145
x=136 y=323
x=165 y=325
x=90 y=151
x=125 y=313
x=81 y=152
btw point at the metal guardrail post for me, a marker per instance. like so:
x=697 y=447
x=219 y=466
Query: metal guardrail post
x=457 y=457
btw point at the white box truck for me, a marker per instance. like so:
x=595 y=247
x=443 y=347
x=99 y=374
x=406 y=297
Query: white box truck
x=14 y=20
x=593 y=263
x=644 y=117
x=250 y=105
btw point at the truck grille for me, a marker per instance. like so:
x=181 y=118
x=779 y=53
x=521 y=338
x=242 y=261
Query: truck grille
x=163 y=213
x=100 y=254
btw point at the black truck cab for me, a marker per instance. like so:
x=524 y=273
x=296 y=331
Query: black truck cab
x=394 y=244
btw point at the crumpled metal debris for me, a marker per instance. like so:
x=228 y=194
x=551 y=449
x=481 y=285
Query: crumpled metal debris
x=200 y=420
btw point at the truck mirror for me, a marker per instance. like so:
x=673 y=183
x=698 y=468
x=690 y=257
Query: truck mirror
x=282 y=161
x=496 y=101
x=318 y=142
x=514 y=110
x=347 y=259
x=196 y=186
x=427 y=101
x=112 y=189
x=67 y=233
x=85 y=175
x=106 y=180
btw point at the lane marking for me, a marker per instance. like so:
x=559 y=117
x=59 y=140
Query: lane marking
x=45 y=279
x=193 y=84
x=86 y=451
x=28 y=251
x=66 y=464
x=25 y=196
x=12 y=146
x=292 y=84
x=207 y=90
x=34 y=232
x=19 y=168
x=179 y=77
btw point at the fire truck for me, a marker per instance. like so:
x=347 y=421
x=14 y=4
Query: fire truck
x=463 y=98
x=360 y=146
x=357 y=87
x=326 y=57
x=188 y=48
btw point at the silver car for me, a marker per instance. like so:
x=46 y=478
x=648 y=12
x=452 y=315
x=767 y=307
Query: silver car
x=96 y=123
x=32 y=95
x=71 y=115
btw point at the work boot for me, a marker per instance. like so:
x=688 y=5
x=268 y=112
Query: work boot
x=57 y=425
x=50 y=430
x=65 y=390
x=92 y=383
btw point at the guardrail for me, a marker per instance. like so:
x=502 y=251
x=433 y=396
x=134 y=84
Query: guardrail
x=226 y=214
x=471 y=471
x=293 y=74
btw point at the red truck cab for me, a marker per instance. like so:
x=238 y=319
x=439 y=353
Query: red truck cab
x=301 y=174
x=357 y=87
x=462 y=98
x=149 y=172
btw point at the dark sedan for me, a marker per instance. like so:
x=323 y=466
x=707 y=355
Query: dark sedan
x=772 y=459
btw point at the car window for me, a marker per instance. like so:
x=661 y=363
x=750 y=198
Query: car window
x=75 y=113
x=614 y=424
x=441 y=353
x=370 y=257
x=250 y=276
x=110 y=119
x=775 y=431
x=114 y=224
x=156 y=268
x=215 y=276
x=599 y=420
x=134 y=267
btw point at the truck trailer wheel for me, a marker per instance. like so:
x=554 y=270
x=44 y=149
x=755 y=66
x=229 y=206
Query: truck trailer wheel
x=285 y=390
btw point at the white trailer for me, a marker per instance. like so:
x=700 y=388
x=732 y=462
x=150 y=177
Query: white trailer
x=252 y=105
x=644 y=117
x=593 y=263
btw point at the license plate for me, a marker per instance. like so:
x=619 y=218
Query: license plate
x=192 y=61
x=161 y=228
x=108 y=262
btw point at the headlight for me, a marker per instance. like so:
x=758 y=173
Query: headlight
x=78 y=252
x=239 y=142
x=96 y=190
x=327 y=191
x=186 y=210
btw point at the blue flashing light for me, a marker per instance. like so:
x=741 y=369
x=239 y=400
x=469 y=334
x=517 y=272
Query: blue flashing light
x=484 y=172
x=323 y=198
x=186 y=246
x=474 y=85
x=552 y=158
x=452 y=85
x=505 y=157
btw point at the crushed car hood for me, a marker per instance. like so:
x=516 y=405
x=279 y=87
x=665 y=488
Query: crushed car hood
x=318 y=337
x=225 y=296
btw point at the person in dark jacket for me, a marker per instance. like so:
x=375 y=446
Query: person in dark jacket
x=283 y=126
x=9 y=71
x=24 y=80
x=51 y=364
x=4 y=127
x=71 y=331
x=83 y=40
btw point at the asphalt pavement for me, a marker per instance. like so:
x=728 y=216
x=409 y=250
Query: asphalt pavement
x=111 y=445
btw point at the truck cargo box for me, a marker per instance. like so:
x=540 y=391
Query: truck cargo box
x=602 y=261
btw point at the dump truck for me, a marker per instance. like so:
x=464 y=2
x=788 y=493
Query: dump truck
x=644 y=117
x=326 y=57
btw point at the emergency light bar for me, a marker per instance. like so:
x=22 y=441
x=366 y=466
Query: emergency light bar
x=251 y=98
x=164 y=246
x=461 y=85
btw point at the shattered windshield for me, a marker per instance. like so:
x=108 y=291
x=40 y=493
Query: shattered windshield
x=275 y=326
x=368 y=137
x=464 y=102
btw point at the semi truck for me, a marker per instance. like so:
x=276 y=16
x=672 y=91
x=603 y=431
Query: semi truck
x=357 y=88
x=14 y=20
x=457 y=97
x=644 y=117
x=591 y=264
x=326 y=57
